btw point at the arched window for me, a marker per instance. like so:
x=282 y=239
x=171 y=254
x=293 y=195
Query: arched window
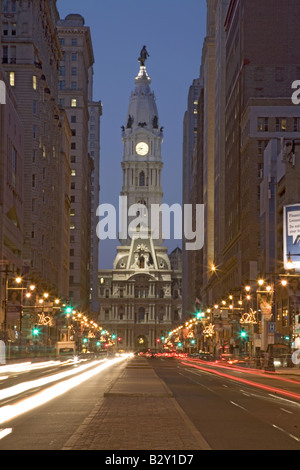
x=142 y=179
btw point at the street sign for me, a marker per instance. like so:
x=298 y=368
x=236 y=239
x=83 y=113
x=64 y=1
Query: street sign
x=272 y=327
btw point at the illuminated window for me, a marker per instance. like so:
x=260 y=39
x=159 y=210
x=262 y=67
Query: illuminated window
x=73 y=103
x=280 y=124
x=12 y=78
x=73 y=173
x=34 y=82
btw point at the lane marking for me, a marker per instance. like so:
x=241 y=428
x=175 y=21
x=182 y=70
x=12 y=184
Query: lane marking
x=286 y=411
x=239 y=406
x=287 y=433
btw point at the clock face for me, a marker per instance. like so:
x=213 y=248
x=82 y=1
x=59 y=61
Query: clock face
x=142 y=148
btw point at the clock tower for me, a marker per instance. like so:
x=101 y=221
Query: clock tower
x=140 y=298
x=142 y=138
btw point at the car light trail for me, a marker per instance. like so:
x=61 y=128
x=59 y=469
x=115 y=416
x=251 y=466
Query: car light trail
x=25 y=386
x=28 y=366
x=269 y=374
x=10 y=412
x=5 y=432
x=245 y=381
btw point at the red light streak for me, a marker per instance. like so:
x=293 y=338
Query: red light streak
x=245 y=381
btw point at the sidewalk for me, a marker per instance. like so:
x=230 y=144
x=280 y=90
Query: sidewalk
x=139 y=412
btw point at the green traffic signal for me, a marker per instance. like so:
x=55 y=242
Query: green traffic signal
x=68 y=310
x=35 y=331
x=243 y=334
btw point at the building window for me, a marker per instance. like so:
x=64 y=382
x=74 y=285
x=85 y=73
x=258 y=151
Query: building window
x=34 y=82
x=142 y=179
x=62 y=71
x=74 y=86
x=74 y=71
x=74 y=42
x=74 y=56
x=280 y=124
x=62 y=84
x=73 y=172
x=12 y=78
x=73 y=103
x=263 y=124
x=296 y=124
x=73 y=119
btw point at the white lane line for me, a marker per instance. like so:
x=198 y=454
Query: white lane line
x=287 y=433
x=239 y=406
x=5 y=432
x=284 y=399
x=286 y=411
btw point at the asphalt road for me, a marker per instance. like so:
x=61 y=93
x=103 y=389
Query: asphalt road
x=49 y=426
x=229 y=411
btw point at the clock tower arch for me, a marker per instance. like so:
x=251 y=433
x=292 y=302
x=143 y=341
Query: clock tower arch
x=142 y=139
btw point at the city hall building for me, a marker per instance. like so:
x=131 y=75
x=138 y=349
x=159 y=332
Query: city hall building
x=140 y=298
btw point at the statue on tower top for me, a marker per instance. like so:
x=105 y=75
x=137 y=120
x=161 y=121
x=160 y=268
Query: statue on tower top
x=143 y=56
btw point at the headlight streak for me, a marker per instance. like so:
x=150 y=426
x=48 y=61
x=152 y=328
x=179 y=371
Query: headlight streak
x=25 y=386
x=28 y=366
x=5 y=432
x=10 y=412
x=247 y=382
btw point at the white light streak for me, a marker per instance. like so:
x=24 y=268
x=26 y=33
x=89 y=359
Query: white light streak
x=10 y=412
x=5 y=432
x=25 y=386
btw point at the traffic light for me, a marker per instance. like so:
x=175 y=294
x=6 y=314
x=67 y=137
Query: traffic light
x=243 y=334
x=119 y=339
x=85 y=340
x=113 y=336
x=35 y=331
x=199 y=315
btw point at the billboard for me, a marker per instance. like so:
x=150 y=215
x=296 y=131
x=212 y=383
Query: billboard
x=291 y=236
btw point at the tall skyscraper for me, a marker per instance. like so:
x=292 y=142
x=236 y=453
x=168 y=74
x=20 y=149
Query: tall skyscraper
x=140 y=298
x=74 y=94
x=30 y=57
x=95 y=113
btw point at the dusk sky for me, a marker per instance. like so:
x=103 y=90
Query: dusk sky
x=173 y=31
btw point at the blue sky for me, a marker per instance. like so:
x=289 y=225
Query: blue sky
x=173 y=31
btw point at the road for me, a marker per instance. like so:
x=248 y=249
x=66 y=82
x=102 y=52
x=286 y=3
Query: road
x=42 y=405
x=232 y=408
x=49 y=425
